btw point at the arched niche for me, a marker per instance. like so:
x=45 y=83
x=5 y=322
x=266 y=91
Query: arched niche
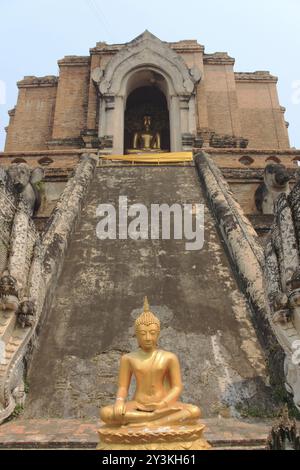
x=147 y=93
x=138 y=64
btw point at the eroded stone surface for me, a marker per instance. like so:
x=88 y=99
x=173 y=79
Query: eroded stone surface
x=205 y=319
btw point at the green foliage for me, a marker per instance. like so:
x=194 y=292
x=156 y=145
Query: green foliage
x=280 y=394
x=15 y=414
x=256 y=411
x=26 y=387
x=282 y=397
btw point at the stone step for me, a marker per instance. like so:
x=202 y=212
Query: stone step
x=225 y=434
x=180 y=281
x=13 y=346
x=14 y=343
x=10 y=350
x=7 y=326
x=18 y=336
x=9 y=355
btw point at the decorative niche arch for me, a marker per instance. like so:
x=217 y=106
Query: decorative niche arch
x=144 y=100
x=140 y=63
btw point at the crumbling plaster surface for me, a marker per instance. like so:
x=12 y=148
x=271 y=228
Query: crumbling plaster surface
x=205 y=318
x=36 y=266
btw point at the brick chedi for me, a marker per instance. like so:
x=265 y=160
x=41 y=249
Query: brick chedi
x=63 y=112
x=166 y=124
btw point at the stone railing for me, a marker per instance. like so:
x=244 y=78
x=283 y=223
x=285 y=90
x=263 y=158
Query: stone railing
x=248 y=261
x=19 y=263
x=282 y=276
x=36 y=265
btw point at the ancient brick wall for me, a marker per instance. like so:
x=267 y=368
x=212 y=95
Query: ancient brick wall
x=262 y=118
x=9 y=129
x=92 y=111
x=52 y=113
x=31 y=122
x=72 y=98
x=192 y=53
x=222 y=106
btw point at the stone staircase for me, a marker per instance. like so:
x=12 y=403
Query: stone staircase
x=205 y=317
x=11 y=346
x=7 y=324
x=13 y=350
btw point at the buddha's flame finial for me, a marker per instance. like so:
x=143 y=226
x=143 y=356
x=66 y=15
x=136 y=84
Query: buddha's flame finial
x=146 y=305
x=147 y=317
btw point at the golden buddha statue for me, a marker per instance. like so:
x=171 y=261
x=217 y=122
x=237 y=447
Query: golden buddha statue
x=155 y=404
x=147 y=140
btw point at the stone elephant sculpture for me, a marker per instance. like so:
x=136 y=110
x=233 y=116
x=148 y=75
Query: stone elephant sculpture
x=24 y=180
x=276 y=182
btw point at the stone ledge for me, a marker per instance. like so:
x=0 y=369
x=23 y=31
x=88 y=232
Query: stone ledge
x=218 y=58
x=210 y=150
x=74 y=61
x=80 y=434
x=103 y=48
x=32 y=81
x=259 y=75
x=187 y=45
x=71 y=142
x=36 y=153
x=270 y=152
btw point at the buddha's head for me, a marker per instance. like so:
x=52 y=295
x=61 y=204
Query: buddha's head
x=147 y=329
x=147 y=122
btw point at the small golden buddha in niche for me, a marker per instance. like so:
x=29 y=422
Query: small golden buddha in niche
x=158 y=383
x=146 y=139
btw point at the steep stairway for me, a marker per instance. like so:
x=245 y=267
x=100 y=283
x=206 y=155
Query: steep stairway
x=222 y=434
x=205 y=318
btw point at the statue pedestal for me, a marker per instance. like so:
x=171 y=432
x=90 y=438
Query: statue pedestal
x=184 y=437
x=143 y=151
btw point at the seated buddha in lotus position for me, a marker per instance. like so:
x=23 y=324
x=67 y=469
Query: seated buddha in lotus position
x=158 y=383
x=146 y=139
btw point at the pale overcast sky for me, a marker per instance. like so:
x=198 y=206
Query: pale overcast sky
x=259 y=34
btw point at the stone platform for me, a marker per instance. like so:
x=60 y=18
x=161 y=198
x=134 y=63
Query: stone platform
x=78 y=434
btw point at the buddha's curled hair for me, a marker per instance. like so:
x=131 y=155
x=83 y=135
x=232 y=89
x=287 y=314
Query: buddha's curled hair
x=147 y=317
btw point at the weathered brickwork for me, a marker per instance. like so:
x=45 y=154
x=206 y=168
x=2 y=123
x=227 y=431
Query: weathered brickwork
x=31 y=122
x=220 y=92
x=72 y=98
x=57 y=112
x=92 y=112
x=262 y=117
